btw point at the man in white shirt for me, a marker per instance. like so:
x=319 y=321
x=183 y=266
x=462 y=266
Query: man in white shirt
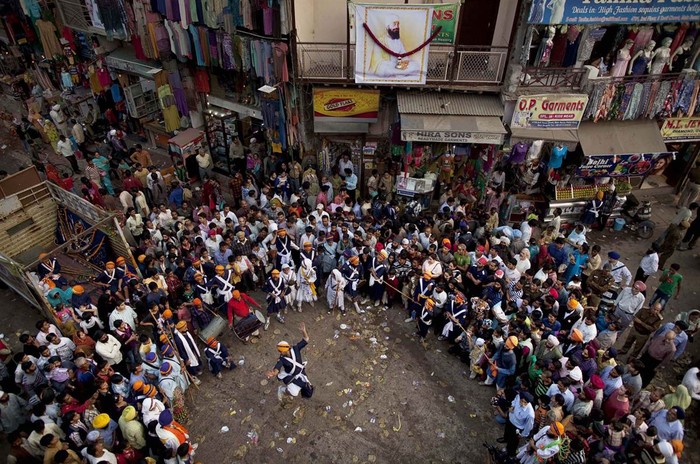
x=64 y=147
x=628 y=303
x=649 y=264
x=78 y=134
x=692 y=382
x=345 y=163
x=124 y=313
x=618 y=270
x=126 y=199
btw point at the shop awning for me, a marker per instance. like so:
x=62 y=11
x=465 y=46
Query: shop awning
x=452 y=104
x=452 y=129
x=621 y=137
x=124 y=59
x=329 y=127
x=551 y=135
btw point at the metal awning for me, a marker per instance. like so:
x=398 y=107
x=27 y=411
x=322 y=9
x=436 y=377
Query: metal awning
x=452 y=104
x=452 y=129
x=621 y=137
x=124 y=59
x=551 y=135
x=329 y=127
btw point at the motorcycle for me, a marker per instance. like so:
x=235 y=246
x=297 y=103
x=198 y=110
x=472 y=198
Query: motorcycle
x=638 y=217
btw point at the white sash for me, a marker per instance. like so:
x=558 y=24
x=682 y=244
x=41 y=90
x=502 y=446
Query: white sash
x=190 y=350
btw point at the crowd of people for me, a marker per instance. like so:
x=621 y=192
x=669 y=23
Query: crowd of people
x=534 y=309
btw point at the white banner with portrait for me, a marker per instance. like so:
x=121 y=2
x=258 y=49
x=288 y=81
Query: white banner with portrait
x=392 y=43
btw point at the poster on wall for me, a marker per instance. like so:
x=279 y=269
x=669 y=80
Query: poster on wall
x=337 y=104
x=392 y=43
x=617 y=12
x=632 y=165
x=550 y=111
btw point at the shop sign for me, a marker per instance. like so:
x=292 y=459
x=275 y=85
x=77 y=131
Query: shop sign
x=681 y=129
x=551 y=111
x=445 y=17
x=632 y=165
x=613 y=11
x=451 y=137
x=346 y=105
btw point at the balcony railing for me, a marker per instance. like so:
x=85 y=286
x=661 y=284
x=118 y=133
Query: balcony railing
x=553 y=78
x=333 y=62
x=640 y=79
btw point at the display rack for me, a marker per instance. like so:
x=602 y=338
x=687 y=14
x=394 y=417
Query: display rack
x=221 y=128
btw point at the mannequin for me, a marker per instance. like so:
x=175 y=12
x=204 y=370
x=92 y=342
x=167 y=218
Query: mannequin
x=641 y=60
x=680 y=56
x=661 y=57
x=623 y=59
x=546 y=47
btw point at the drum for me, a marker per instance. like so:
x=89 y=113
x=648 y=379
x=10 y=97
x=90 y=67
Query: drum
x=215 y=328
x=245 y=327
x=261 y=317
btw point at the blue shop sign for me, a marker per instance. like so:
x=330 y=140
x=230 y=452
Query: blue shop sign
x=613 y=11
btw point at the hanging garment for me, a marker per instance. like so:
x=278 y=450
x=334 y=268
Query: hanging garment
x=632 y=111
x=694 y=99
x=178 y=92
x=201 y=81
x=685 y=94
x=196 y=45
x=113 y=17
x=167 y=103
x=644 y=36
x=49 y=41
x=624 y=103
x=280 y=61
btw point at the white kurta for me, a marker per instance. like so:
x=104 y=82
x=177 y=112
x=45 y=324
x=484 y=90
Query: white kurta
x=546 y=448
x=334 y=290
x=305 y=277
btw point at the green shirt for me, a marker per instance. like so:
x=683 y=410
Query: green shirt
x=668 y=283
x=461 y=259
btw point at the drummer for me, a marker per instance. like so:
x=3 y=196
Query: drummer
x=238 y=309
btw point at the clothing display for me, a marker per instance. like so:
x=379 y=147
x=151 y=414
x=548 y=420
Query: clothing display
x=49 y=40
x=557 y=156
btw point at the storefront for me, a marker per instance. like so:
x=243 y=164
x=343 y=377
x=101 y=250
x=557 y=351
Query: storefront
x=136 y=92
x=228 y=123
x=625 y=153
x=637 y=38
x=682 y=136
x=444 y=135
x=343 y=117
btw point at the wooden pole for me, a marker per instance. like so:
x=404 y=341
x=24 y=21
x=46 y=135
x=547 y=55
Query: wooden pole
x=171 y=340
x=128 y=248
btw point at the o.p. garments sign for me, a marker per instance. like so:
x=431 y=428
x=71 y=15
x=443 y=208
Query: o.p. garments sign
x=613 y=11
x=551 y=111
x=392 y=43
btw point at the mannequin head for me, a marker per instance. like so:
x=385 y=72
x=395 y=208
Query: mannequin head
x=650 y=46
x=666 y=42
x=628 y=44
x=687 y=43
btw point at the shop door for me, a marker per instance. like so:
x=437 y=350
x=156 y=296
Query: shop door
x=478 y=22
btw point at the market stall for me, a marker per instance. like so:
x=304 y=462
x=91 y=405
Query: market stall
x=186 y=144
